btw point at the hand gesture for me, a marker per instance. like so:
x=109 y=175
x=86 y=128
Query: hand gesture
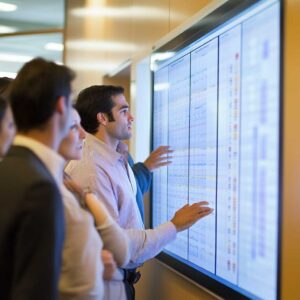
x=109 y=263
x=188 y=215
x=158 y=158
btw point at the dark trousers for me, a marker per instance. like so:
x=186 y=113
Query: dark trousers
x=131 y=276
x=130 y=291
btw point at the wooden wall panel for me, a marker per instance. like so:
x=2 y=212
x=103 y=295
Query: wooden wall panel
x=160 y=283
x=118 y=29
x=140 y=30
x=153 y=25
x=82 y=59
x=180 y=10
x=291 y=175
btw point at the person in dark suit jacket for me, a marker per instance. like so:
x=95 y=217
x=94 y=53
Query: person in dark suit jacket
x=31 y=211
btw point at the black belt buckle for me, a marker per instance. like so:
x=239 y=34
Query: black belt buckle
x=131 y=276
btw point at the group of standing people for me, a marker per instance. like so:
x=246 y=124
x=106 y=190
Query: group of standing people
x=71 y=205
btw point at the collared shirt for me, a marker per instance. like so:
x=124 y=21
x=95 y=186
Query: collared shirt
x=123 y=150
x=105 y=172
x=51 y=159
x=102 y=169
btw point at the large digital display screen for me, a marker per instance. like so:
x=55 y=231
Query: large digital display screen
x=216 y=102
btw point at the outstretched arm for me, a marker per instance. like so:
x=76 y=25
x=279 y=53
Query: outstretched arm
x=113 y=237
x=146 y=244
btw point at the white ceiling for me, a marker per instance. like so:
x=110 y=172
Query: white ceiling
x=31 y=15
x=27 y=46
x=34 y=14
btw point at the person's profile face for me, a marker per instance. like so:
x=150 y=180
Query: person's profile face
x=66 y=118
x=7 y=131
x=121 y=127
x=69 y=111
x=72 y=144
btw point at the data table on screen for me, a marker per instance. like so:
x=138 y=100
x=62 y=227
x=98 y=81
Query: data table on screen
x=160 y=118
x=217 y=104
x=228 y=153
x=203 y=147
x=178 y=138
x=259 y=154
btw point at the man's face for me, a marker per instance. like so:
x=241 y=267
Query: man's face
x=120 y=128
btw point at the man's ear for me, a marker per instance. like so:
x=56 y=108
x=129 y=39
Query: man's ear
x=61 y=105
x=102 y=119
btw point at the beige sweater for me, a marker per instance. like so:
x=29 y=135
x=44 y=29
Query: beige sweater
x=82 y=268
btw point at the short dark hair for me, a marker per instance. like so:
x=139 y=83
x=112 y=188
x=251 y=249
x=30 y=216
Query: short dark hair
x=4 y=86
x=35 y=92
x=95 y=99
x=3 y=108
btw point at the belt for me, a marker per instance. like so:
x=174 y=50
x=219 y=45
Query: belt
x=131 y=276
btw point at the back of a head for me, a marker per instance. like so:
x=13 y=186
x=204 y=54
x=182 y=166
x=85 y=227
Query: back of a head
x=4 y=86
x=93 y=100
x=35 y=92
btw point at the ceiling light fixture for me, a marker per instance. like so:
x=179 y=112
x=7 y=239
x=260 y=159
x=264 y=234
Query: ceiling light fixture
x=7 y=7
x=99 y=66
x=156 y=57
x=7 y=29
x=136 y=12
x=14 y=57
x=54 y=46
x=161 y=56
x=96 y=45
x=8 y=74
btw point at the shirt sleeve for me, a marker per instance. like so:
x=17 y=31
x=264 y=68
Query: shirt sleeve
x=146 y=244
x=116 y=241
x=39 y=242
x=142 y=175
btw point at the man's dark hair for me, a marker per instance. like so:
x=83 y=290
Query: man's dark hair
x=4 y=86
x=93 y=100
x=35 y=92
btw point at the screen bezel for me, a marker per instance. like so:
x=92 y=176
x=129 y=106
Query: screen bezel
x=221 y=15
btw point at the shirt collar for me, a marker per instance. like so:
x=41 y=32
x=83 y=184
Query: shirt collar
x=107 y=152
x=52 y=160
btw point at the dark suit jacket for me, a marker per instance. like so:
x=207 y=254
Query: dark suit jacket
x=31 y=228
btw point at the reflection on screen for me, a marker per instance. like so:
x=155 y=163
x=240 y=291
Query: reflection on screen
x=216 y=103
